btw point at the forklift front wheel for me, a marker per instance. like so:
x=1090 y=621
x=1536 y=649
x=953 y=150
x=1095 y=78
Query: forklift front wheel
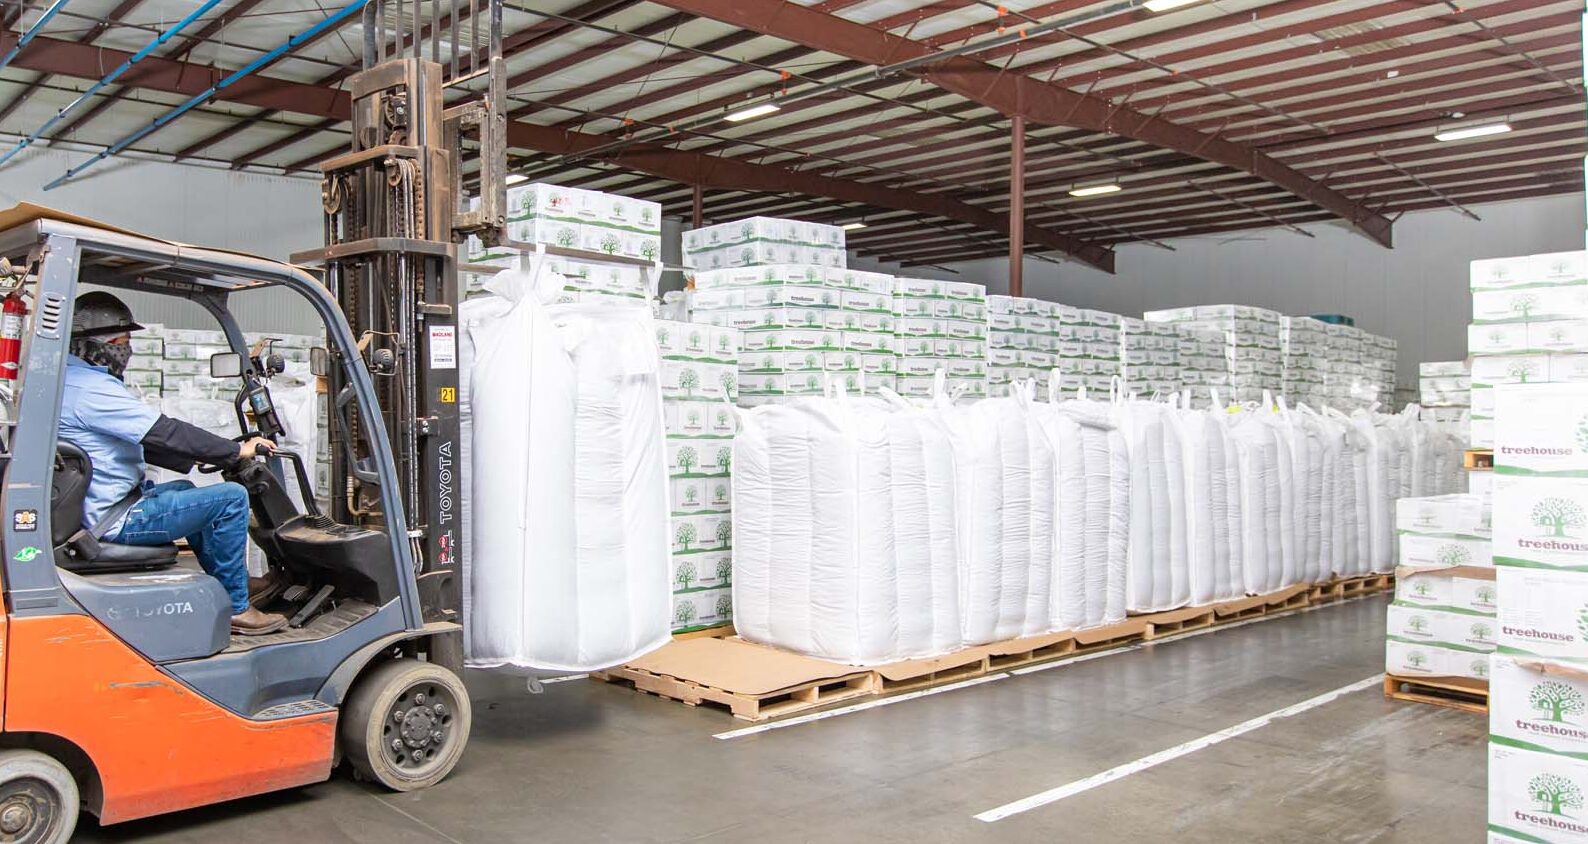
x=38 y=799
x=405 y=724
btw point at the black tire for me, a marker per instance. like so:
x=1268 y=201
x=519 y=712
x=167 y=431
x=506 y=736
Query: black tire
x=39 y=801
x=405 y=724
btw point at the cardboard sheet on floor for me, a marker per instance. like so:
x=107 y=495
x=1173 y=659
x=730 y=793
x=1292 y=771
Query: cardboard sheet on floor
x=735 y=665
x=1272 y=598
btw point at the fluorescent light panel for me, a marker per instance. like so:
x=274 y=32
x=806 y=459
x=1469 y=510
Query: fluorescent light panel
x=515 y=178
x=849 y=227
x=1166 y=5
x=1473 y=132
x=752 y=112
x=1094 y=190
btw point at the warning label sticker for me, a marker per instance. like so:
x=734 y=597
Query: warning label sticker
x=443 y=347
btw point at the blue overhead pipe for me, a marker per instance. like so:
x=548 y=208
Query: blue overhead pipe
x=32 y=31
x=292 y=43
x=109 y=78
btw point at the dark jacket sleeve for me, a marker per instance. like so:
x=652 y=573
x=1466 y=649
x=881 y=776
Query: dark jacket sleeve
x=176 y=445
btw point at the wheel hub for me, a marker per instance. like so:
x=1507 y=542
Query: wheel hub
x=421 y=718
x=27 y=811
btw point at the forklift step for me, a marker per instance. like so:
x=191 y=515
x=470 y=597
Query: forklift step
x=292 y=710
x=345 y=615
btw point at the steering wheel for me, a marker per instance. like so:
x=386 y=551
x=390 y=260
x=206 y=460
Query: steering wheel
x=239 y=439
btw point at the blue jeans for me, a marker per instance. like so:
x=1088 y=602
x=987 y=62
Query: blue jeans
x=213 y=520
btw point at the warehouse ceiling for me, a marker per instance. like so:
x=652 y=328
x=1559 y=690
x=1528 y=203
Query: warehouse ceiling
x=1209 y=118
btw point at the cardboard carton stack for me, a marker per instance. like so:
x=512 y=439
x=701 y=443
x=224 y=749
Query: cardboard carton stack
x=1203 y=365
x=1022 y=343
x=1305 y=343
x=1149 y=357
x=1340 y=383
x=1378 y=369
x=1445 y=391
x=759 y=241
x=1529 y=326
x=1252 y=344
x=700 y=369
x=941 y=325
x=1089 y=349
x=801 y=326
x=1444 y=530
x=1537 y=696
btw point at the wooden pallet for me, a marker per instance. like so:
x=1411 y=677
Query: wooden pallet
x=1453 y=692
x=719 y=632
x=750 y=707
x=1342 y=588
x=1179 y=621
x=1478 y=459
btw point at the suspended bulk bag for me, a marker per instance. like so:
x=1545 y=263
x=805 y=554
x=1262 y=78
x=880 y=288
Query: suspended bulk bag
x=568 y=483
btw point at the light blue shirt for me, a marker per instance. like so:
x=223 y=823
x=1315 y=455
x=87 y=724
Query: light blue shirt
x=103 y=418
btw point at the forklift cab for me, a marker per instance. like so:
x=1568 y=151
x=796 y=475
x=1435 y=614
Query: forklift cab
x=123 y=688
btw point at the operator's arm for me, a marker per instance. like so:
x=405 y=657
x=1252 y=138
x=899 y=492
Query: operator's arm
x=176 y=445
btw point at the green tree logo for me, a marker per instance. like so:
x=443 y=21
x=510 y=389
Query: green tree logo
x=1479 y=668
x=694 y=418
x=692 y=496
x=1481 y=632
x=724 y=570
x=724 y=533
x=811 y=383
x=1556 y=700
x=724 y=459
x=1557 y=335
x=684 y=614
x=661 y=335
x=1555 y=515
x=812 y=319
x=1582 y=433
x=1453 y=555
x=811 y=362
x=746 y=231
x=610 y=244
x=1582 y=621
x=722 y=419
x=722 y=343
x=1417 y=659
x=685 y=576
x=688 y=458
x=1524 y=305
x=1425 y=519
x=729 y=381
x=827 y=297
x=648 y=250
x=1423 y=589
x=685 y=535
x=1485 y=595
x=719 y=494
x=647 y=215
x=1496 y=338
x=694 y=340
x=1522 y=370
x=851 y=321
x=1553 y=793
x=566 y=238
x=1418 y=624
x=689 y=379
x=724 y=607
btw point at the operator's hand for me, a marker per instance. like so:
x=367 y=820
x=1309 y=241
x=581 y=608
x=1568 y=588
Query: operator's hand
x=255 y=446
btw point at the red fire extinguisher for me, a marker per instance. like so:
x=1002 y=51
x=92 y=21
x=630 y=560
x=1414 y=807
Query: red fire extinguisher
x=13 y=313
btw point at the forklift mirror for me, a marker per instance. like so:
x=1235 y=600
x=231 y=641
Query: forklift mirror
x=226 y=365
x=319 y=362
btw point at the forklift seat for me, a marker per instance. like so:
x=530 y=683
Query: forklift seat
x=75 y=549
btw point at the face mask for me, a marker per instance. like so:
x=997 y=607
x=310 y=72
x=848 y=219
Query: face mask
x=112 y=356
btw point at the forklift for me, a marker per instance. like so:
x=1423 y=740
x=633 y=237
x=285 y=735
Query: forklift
x=123 y=690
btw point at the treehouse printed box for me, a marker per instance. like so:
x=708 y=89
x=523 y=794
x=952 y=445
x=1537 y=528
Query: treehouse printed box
x=1449 y=629
x=1538 y=704
x=1536 y=796
x=1540 y=522
x=1418 y=659
x=1419 y=550
x=1541 y=429
x=1543 y=613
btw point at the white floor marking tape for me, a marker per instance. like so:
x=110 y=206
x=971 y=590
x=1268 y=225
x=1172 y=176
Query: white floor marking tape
x=563 y=679
x=859 y=707
x=1054 y=795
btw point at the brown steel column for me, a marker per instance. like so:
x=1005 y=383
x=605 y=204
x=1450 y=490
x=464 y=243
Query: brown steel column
x=700 y=207
x=1017 y=205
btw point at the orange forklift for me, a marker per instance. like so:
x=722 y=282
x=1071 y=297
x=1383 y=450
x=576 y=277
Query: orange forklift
x=123 y=690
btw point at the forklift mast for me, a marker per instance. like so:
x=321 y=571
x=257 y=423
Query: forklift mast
x=396 y=212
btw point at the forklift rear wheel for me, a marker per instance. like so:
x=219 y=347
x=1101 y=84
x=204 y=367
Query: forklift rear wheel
x=405 y=724
x=38 y=799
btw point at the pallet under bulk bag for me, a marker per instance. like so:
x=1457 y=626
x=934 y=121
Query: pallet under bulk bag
x=568 y=482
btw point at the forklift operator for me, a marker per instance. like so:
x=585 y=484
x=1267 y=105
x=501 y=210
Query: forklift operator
x=118 y=431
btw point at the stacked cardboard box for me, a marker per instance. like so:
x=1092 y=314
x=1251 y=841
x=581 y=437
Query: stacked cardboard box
x=1305 y=342
x=802 y=325
x=941 y=326
x=1203 y=365
x=1022 y=343
x=1089 y=348
x=1444 y=530
x=1445 y=390
x=1378 y=368
x=573 y=218
x=764 y=240
x=1540 y=500
x=1529 y=326
x=1149 y=357
x=700 y=369
x=1252 y=344
x=1442 y=622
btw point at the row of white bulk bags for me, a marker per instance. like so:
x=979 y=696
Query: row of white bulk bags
x=568 y=501
x=845 y=526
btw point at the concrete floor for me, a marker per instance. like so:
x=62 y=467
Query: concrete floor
x=589 y=762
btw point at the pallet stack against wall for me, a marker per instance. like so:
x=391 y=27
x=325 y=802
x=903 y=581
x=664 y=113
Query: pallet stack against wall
x=1149 y=357
x=1445 y=393
x=1305 y=344
x=941 y=326
x=699 y=377
x=1252 y=345
x=1539 y=676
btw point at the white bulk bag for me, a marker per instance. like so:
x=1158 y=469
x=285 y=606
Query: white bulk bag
x=924 y=531
x=1204 y=449
x=1157 y=573
x=568 y=481
x=1257 y=447
x=1094 y=480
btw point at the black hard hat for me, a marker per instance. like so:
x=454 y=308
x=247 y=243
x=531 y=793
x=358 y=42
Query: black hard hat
x=99 y=314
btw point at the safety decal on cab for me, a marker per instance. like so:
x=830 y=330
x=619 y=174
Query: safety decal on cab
x=24 y=520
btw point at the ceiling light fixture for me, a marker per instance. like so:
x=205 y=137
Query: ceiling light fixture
x=516 y=178
x=1473 y=132
x=752 y=112
x=1166 y=5
x=849 y=227
x=1095 y=190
